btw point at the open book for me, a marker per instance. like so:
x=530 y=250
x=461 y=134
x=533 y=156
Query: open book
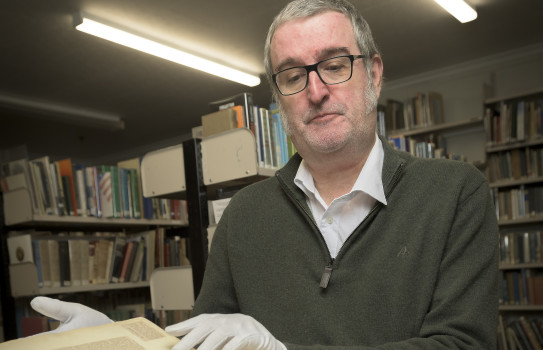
x=134 y=334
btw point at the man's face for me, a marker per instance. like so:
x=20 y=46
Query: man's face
x=324 y=118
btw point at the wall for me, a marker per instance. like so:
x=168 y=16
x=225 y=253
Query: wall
x=465 y=87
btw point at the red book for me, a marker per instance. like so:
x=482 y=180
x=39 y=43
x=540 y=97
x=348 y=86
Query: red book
x=31 y=325
x=126 y=260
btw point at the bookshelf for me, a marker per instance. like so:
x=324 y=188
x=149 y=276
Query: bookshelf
x=514 y=152
x=227 y=159
x=417 y=125
x=21 y=281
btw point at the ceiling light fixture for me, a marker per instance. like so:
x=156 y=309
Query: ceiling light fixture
x=62 y=113
x=104 y=31
x=459 y=9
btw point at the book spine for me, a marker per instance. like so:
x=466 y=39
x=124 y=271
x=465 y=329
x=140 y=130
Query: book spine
x=81 y=191
x=120 y=244
x=106 y=193
x=64 y=263
x=54 y=263
x=66 y=188
x=43 y=245
x=135 y=190
x=116 y=191
x=125 y=192
x=75 y=261
x=84 y=253
x=37 y=261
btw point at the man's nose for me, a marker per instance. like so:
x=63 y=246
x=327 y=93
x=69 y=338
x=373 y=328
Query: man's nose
x=317 y=90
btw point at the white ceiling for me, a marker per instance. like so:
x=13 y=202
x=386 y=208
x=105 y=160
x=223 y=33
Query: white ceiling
x=42 y=58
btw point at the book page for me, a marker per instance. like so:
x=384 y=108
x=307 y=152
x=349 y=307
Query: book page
x=134 y=334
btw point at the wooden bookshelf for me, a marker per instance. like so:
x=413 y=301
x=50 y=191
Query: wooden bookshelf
x=513 y=168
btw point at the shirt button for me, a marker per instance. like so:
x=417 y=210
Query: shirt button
x=329 y=220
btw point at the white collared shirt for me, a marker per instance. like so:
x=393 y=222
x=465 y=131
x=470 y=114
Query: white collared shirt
x=337 y=221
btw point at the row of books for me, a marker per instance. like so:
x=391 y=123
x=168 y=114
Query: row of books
x=75 y=258
x=517 y=203
x=521 y=287
x=515 y=164
x=422 y=110
x=514 y=121
x=521 y=247
x=274 y=147
x=110 y=191
x=520 y=333
x=423 y=149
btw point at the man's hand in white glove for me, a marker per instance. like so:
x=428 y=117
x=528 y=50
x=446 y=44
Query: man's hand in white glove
x=226 y=331
x=70 y=315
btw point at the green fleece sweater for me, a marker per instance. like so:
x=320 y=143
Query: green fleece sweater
x=418 y=273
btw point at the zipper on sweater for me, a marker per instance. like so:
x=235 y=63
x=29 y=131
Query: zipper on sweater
x=327 y=273
x=325 y=278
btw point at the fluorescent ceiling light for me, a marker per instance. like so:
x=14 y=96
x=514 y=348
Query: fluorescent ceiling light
x=122 y=37
x=459 y=9
x=62 y=113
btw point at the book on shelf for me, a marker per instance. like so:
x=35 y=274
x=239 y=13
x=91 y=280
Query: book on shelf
x=136 y=333
x=62 y=188
x=54 y=262
x=216 y=208
x=421 y=110
x=273 y=146
x=116 y=191
x=81 y=194
x=92 y=188
x=74 y=262
x=126 y=192
x=219 y=121
x=520 y=202
x=133 y=165
x=515 y=164
x=514 y=120
x=521 y=247
x=244 y=100
x=65 y=171
x=106 y=193
x=43 y=265
x=16 y=174
x=64 y=262
x=40 y=170
x=120 y=244
x=19 y=247
x=394 y=116
x=520 y=332
x=76 y=259
x=521 y=287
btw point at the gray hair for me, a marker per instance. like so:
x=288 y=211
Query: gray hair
x=306 y=8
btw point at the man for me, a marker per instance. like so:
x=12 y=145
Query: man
x=351 y=244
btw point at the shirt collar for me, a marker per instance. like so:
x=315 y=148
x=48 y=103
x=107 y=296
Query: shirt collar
x=369 y=180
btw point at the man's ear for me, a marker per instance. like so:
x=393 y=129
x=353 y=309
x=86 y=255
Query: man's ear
x=377 y=73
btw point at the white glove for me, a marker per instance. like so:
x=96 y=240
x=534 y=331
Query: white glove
x=229 y=332
x=70 y=315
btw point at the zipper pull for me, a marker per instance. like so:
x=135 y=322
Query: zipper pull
x=326 y=275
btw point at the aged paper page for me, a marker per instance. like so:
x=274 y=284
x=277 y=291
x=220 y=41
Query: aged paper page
x=134 y=334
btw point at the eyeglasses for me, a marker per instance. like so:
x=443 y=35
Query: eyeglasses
x=331 y=71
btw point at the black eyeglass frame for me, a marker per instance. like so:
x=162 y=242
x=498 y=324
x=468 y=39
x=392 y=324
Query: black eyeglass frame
x=313 y=68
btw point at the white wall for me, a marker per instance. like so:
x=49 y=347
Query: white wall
x=465 y=87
